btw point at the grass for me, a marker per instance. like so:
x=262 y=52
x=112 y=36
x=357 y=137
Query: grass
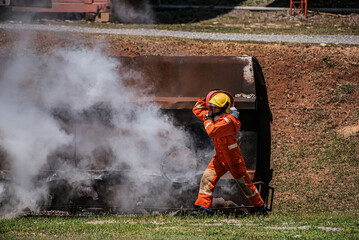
x=336 y=225
x=346 y=88
x=283 y=24
x=239 y=21
x=245 y=22
x=342 y=92
x=257 y=3
x=340 y=150
x=317 y=120
x=320 y=174
x=326 y=60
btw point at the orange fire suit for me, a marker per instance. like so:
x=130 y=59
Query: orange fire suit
x=223 y=130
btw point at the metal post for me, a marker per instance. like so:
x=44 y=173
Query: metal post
x=298 y=10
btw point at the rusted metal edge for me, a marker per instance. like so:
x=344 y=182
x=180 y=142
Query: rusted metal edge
x=227 y=176
x=189 y=102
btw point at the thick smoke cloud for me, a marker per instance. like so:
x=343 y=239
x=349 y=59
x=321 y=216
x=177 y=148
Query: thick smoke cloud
x=70 y=111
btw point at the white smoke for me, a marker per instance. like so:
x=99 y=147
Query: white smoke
x=70 y=111
x=129 y=11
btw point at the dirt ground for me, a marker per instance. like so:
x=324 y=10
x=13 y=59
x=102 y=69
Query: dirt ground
x=313 y=94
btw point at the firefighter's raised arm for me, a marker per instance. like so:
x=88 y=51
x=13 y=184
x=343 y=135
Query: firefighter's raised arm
x=200 y=109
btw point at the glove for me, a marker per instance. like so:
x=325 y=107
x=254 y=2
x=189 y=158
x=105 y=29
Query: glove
x=208 y=116
x=234 y=112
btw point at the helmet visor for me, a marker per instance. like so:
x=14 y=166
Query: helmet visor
x=212 y=105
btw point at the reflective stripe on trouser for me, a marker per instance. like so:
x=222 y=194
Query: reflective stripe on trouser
x=214 y=172
x=239 y=173
x=250 y=191
x=210 y=177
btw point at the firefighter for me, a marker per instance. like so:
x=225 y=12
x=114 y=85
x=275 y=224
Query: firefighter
x=222 y=125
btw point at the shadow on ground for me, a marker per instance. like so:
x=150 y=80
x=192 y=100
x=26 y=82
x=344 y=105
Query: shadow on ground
x=319 y=4
x=187 y=15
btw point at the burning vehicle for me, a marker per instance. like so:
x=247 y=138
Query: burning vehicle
x=115 y=156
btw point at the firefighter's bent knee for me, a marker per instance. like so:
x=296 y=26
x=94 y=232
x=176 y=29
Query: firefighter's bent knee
x=206 y=180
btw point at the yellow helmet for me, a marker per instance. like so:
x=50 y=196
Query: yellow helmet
x=221 y=100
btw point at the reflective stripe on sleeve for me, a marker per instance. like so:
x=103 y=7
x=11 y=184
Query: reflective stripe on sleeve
x=234 y=145
x=226 y=120
x=207 y=125
x=199 y=105
x=205 y=192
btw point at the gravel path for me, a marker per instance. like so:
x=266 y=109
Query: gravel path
x=335 y=39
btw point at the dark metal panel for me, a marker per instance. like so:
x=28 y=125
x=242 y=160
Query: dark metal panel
x=177 y=82
x=31 y=3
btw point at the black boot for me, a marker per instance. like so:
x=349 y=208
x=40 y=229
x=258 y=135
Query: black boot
x=203 y=211
x=261 y=211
